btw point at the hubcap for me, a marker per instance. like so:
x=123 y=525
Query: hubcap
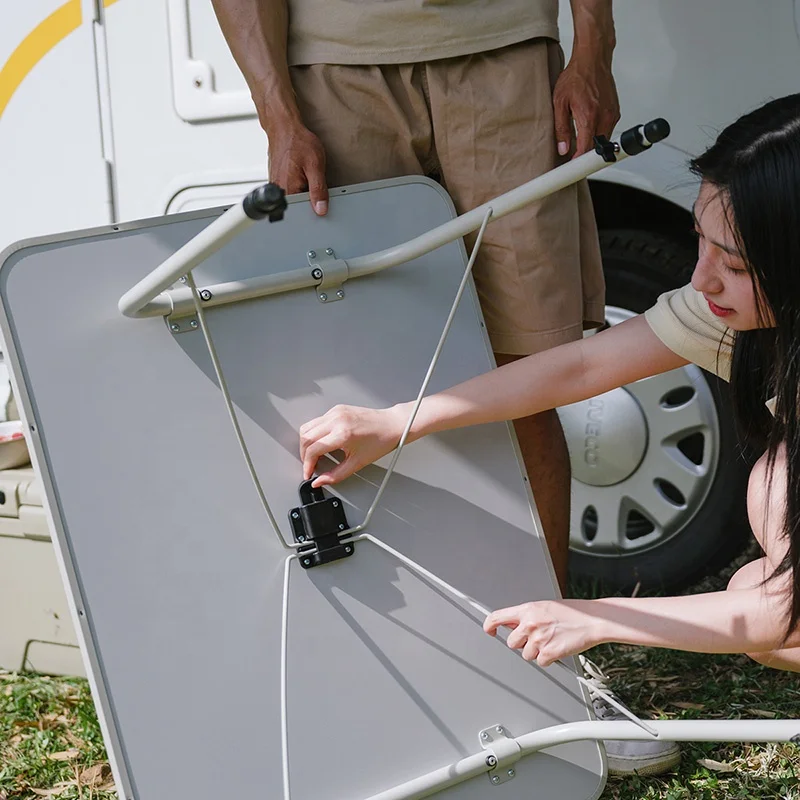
x=643 y=458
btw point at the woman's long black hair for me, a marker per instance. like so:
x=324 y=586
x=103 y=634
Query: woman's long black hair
x=755 y=163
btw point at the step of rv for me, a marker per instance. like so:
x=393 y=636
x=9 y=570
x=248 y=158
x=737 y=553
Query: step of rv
x=21 y=511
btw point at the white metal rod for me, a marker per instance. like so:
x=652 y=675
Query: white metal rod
x=143 y=301
x=745 y=730
x=229 y=405
x=179 y=301
x=672 y=730
x=558 y=178
x=438 y=780
x=428 y=375
x=196 y=250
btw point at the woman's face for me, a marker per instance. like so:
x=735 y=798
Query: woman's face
x=721 y=274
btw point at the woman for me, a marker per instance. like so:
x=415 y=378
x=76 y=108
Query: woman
x=739 y=318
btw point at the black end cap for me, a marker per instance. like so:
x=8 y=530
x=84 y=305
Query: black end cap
x=632 y=141
x=656 y=130
x=268 y=200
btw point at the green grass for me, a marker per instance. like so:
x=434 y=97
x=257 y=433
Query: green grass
x=50 y=743
x=663 y=684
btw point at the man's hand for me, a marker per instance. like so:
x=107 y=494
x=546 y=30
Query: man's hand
x=363 y=434
x=297 y=163
x=548 y=630
x=586 y=94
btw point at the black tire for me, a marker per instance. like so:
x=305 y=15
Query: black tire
x=638 y=267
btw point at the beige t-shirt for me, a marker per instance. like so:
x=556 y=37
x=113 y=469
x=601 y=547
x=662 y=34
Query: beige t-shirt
x=405 y=31
x=684 y=323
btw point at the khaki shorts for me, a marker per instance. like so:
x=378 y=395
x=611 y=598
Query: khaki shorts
x=482 y=124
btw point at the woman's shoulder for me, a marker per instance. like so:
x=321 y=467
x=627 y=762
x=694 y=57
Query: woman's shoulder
x=683 y=321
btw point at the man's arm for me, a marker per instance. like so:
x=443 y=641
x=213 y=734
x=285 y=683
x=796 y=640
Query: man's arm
x=585 y=91
x=257 y=34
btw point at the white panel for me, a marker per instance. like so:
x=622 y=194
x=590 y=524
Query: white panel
x=157 y=152
x=53 y=174
x=700 y=65
x=207 y=84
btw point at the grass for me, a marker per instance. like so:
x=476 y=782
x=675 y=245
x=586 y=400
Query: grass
x=661 y=684
x=50 y=743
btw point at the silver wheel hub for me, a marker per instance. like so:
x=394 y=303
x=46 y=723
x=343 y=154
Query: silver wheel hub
x=606 y=436
x=643 y=458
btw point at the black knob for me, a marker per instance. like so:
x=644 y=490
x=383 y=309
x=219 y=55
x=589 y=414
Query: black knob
x=268 y=200
x=656 y=130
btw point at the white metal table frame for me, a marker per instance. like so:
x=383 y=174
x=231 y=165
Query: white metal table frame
x=327 y=274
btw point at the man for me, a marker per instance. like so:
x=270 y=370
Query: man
x=471 y=92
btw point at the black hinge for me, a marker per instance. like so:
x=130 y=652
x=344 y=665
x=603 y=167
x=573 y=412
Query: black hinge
x=319 y=521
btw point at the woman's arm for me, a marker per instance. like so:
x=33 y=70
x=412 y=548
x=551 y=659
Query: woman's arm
x=740 y=621
x=556 y=377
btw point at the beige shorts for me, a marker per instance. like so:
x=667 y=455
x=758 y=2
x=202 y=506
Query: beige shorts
x=482 y=124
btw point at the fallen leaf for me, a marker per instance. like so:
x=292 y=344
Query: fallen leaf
x=716 y=766
x=690 y=706
x=94 y=775
x=761 y=713
x=53 y=791
x=64 y=755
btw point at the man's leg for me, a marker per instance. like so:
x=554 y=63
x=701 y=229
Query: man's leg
x=538 y=275
x=544 y=451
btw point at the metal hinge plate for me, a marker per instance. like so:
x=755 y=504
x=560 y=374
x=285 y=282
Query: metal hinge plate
x=331 y=272
x=502 y=753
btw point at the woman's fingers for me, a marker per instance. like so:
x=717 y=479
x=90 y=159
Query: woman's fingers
x=530 y=652
x=508 y=617
x=317 y=449
x=338 y=473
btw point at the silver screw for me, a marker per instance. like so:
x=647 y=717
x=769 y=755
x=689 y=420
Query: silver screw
x=511 y=773
x=323 y=297
x=348 y=549
x=205 y=294
x=495 y=779
x=485 y=736
x=341 y=527
x=301 y=538
x=174 y=327
x=340 y=294
x=312 y=254
x=491 y=761
x=335 y=504
x=306 y=561
x=316 y=274
x=295 y=515
x=198 y=83
x=499 y=728
x=193 y=323
x=183 y=279
x=329 y=252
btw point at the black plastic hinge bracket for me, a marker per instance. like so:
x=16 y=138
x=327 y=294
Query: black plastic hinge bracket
x=318 y=522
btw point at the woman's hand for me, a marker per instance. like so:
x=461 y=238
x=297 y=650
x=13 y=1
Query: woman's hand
x=364 y=434
x=548 y=630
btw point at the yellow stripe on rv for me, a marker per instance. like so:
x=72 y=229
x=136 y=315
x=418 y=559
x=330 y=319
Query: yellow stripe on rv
x=35 y=46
